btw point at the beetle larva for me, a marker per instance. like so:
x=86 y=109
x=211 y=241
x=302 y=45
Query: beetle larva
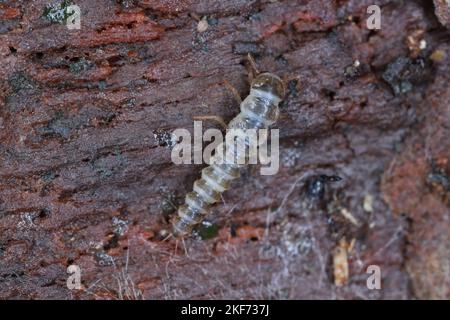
x=259 y=110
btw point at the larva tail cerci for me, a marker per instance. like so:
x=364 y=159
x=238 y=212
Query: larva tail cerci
x=258 y=110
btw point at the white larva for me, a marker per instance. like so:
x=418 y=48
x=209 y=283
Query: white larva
x=258 y=110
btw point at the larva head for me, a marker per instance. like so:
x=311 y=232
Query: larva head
x=268 y=82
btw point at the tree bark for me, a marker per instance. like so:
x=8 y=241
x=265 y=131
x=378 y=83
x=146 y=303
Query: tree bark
x=86 y=176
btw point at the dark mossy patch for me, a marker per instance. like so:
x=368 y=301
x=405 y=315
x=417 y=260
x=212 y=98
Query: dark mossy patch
x=58 y=12
x=19 y=82
x=80 y=65
x=404 y=72
x=206 y=230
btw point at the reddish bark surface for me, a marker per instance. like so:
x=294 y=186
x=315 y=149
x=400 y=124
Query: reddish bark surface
x=87 y=179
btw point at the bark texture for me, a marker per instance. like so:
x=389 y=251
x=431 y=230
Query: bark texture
x=86 y=177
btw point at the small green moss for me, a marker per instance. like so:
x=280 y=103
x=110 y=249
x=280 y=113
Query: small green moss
x=207 y=230
x=48 y=176
x=20 y=81
x=165 y=138
x=80 y=66
x=58 y=12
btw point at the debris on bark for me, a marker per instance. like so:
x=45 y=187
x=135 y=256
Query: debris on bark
x=442 y=10
x=340 y=263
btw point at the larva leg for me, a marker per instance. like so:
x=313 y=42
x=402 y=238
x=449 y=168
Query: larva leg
x=186 y=252
x=223 y=200
x=219 y=119
x=185 y=248
x=288 y=78
x=213 y=118
x=233 y=90
x=168 y=237
x=176 y=247
x=254 y=69
x=195 y=16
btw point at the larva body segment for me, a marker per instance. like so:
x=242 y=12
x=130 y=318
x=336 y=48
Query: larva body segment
x=259 y=110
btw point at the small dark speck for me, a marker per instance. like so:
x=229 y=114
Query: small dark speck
x=44 y=213
x=48 y=176
x=165 y=138
x=281 y=60
x=254 y=16
x=403 y=73
x=439 y=177
x=316 y=187
x=127 y=4
x=233 y=230
x=330 y=94
x=213 y=21
x=102 y=85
